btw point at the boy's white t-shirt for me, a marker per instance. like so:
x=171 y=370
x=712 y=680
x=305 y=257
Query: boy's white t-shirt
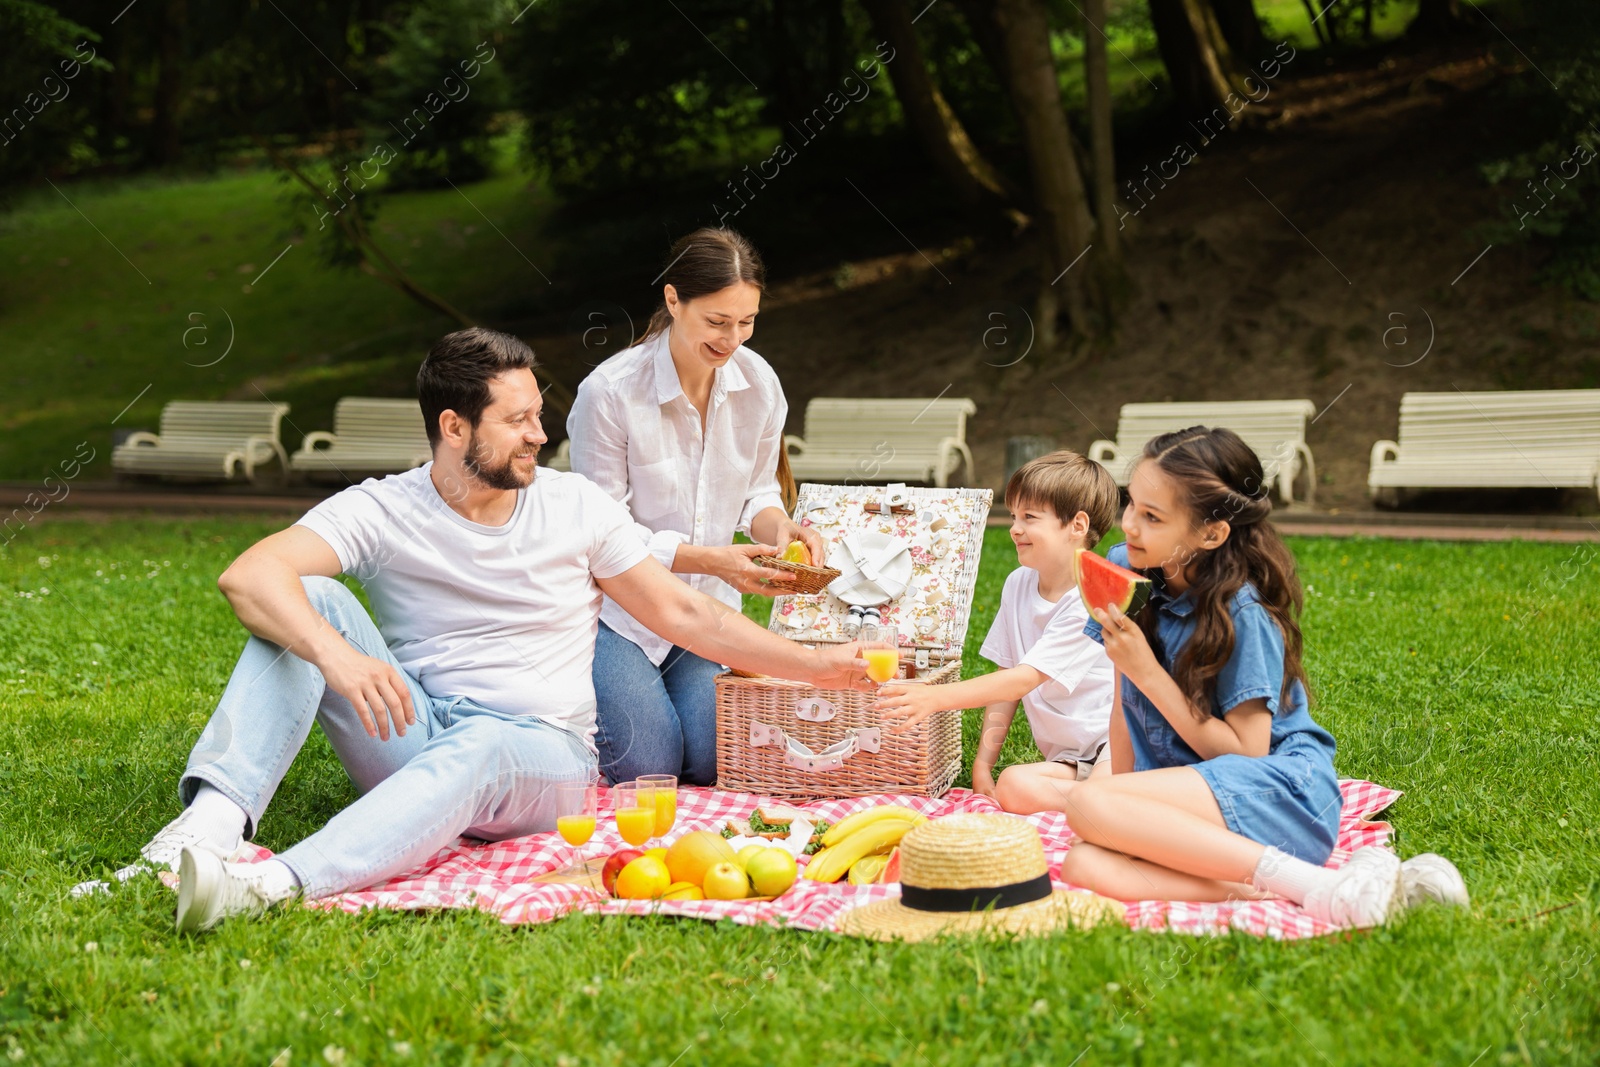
x=1071 y=712
x=503 y=615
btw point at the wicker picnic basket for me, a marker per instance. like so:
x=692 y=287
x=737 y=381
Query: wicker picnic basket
x=792 y=741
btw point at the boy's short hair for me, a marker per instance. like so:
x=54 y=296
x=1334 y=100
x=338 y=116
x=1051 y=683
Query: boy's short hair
x=1068 y=483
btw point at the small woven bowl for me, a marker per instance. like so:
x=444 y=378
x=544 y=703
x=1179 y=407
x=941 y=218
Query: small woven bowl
x=808 y=580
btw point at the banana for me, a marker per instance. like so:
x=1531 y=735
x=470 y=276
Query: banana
x=834 y=862
x=865 y=871
x=851 y=823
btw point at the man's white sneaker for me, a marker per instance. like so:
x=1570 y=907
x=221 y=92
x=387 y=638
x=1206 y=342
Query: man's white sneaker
x=182 y=832
x=1366 y=892
x=211 y=889
x=1432 y=877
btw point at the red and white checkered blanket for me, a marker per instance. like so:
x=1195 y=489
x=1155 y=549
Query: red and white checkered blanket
x=496 y=877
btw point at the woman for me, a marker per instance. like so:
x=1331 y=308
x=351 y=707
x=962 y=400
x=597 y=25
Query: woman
x=686 y=430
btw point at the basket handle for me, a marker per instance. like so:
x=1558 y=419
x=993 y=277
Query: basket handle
x=802 y=758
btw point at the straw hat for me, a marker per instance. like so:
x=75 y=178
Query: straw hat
x=972 y=873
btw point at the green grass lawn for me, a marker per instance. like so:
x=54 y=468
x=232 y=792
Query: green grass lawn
x=1462 y=674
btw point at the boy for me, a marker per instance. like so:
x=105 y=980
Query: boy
x=1059 y=503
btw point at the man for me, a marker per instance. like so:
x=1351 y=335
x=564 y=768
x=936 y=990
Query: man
x=459 y=711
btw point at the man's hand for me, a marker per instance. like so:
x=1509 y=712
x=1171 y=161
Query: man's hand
x=374 y=688
x=983 y=780
x=841 y=667
x=737 y=567
x=909 y=703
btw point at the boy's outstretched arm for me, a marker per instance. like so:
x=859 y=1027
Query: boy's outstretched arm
x=911 y=702
x=996 y=724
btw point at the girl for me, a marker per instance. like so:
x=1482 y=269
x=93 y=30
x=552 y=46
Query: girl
x=686 y=430
x=1222 y=784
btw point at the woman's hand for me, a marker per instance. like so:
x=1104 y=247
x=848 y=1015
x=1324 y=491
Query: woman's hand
x=808 y=536
x=908 y=703
x=736 y=565
x=1126 y=645
x=983 y=780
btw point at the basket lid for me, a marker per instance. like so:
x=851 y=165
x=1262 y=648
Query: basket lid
x=865 y=527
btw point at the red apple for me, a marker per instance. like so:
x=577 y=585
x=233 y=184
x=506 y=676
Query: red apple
x=614 y=865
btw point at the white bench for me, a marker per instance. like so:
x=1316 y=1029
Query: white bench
x=1274 y=429
x=201 y=439
x=1536 y=438
x=561 y=459
x=902 y=439
x=370 y=436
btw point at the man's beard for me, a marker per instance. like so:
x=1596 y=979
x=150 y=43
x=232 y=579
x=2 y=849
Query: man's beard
x=481 y=466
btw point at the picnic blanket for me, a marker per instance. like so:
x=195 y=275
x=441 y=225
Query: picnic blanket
x=496 y=878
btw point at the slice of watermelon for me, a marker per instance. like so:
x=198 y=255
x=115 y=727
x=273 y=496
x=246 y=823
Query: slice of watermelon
x=891 y=870
x=1103 y=583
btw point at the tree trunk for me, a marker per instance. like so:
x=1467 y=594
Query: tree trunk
x=1102 y=150
x=935 y=125
x=1438 y=18
x=166 y=145
x=1198 y=60
x=1240 y=28
x=1034 y=88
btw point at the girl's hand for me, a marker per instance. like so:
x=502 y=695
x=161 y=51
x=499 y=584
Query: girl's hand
x=1125 y=643
x=908 y=703
x=983 y=781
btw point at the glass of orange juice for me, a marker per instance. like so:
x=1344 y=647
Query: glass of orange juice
x=880 y=647
x=634 y=804
x=666 y=789
x=575 y=817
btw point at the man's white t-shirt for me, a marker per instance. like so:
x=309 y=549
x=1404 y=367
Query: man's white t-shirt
x=1071 y=712
x=503 y=615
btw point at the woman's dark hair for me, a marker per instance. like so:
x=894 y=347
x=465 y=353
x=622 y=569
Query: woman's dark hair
x=1219 y=477
x=706 y=261
x=456 y=375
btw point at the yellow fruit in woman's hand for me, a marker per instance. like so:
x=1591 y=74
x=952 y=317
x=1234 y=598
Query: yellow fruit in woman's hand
x=797 y=553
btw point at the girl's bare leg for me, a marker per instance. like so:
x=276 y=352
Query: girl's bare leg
x=1156 y=835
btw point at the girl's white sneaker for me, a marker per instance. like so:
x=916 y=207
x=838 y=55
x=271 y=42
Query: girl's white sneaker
x=1432 y=877
x=1366 y=891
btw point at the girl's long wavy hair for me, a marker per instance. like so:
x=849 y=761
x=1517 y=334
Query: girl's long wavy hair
x=1218 y=477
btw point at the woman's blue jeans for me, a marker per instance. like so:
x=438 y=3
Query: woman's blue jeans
x=654 y=720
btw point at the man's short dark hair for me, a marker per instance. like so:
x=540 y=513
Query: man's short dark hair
x=456 y=375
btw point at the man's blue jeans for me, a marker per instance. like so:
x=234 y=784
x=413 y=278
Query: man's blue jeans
x=460 y=769
x=654 y=720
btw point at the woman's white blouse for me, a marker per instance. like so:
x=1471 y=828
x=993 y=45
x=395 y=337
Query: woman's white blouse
x=636 y=435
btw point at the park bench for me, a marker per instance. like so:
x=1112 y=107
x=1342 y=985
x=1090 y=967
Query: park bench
x=881 y=440
x=205 y=439
x=1274 y=429
x=1536 y=438
x=370 y=436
